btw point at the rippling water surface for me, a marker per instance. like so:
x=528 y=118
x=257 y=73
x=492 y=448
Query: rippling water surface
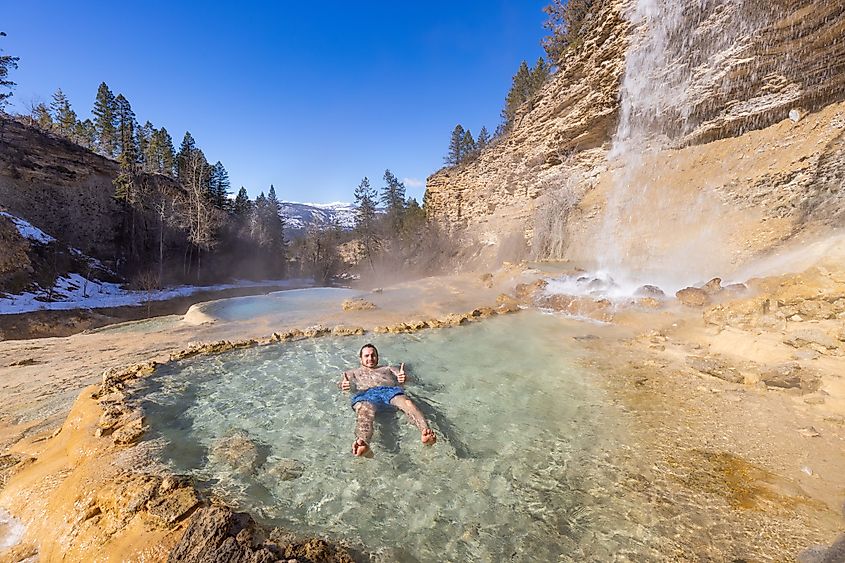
x=520 y=470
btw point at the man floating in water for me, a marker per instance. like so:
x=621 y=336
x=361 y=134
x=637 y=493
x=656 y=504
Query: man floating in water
x=377 y=387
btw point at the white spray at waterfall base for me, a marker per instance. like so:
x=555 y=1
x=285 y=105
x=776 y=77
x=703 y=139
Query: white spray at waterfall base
x=657 y=229
x=11 y=531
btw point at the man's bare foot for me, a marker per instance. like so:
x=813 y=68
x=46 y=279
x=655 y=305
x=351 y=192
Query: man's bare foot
x=360 y=448
x=428 y=437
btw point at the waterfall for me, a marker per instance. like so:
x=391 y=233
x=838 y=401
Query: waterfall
x=679 y=50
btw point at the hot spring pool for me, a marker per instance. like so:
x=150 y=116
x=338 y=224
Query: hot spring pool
x=288 y=303
x=524 y=438
x=535 y=461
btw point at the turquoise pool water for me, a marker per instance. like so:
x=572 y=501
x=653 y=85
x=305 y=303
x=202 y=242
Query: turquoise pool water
x=524 y=435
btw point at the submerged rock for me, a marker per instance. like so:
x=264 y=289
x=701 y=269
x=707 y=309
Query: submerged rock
x=239 y=451
x=286 y=469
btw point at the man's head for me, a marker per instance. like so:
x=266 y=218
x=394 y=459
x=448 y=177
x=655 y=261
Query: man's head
x=369 y=356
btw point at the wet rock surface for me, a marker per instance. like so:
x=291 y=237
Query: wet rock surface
x=219 y=534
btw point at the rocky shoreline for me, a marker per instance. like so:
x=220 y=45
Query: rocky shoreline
x=106 y=490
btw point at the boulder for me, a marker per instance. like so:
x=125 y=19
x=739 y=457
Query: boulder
x=341 y=330
x=649 y=291
x=715 y=367
x=713 y=286
x=790 y=376
x=693 y=297
x=174 y=506
x=817 y=309
x=358 y=304
x=219 y=534
x=526 y=291
x=810 y=337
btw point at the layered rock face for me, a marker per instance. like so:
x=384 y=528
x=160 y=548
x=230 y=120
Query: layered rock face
x=63 y=189
x=669 y=115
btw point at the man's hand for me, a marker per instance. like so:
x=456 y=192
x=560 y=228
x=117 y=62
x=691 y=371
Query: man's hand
x=344 y=384
x=400 y=377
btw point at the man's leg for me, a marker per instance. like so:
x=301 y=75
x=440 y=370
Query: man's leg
x=365 y=413
x=404 y=404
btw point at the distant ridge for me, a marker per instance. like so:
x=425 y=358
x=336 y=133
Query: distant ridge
x=299 y=216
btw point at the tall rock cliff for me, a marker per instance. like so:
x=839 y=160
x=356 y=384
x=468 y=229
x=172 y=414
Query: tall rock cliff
x=670 y=124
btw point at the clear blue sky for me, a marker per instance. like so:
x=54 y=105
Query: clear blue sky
x=310 y=97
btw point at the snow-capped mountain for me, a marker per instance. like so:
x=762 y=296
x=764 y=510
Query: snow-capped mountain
x=298 y=216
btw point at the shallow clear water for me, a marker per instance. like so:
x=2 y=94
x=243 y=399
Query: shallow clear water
x=519 y=472
x=290 y=301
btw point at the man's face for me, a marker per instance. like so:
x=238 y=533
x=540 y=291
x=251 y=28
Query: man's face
x=369 y=357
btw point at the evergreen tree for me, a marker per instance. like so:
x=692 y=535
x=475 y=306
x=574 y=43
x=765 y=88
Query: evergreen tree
x=86 y=134
x=145 y=138
x=219 y=186
x=166 y=158
x=539 y=75
x=63 y=116
x=268 y=229
x=483 y=139
x=41 y=117
x=568 y=21
x=242 y=205
x=105 y=120
x=456 y=155
x=468 y=145
x=518 y=94
x=129 y=151
x=186 y=149
x=365 y=219
x=7 y=63
x=393 y=199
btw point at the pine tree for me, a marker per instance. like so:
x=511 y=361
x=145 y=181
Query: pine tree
x=63 y=116
x=41 y=117
x=568 y=22
x=129 y=151
x=7 y=63
x=242 y=205
x=186 y=149
x=393 y=193
x=219 y=186
x=167 y=156
x=105 y=120
x=519 y=93
x=146 y=138
x=456 y=155
x=539 y=75
x=365 y=219
x=86 y=134
x=468 y=145
x=483 y=139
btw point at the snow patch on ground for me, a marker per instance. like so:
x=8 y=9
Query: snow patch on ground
x=77 y=292
x=27 y=229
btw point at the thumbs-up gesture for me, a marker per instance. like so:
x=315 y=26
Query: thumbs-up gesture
x=344 y=384
x=400 y=377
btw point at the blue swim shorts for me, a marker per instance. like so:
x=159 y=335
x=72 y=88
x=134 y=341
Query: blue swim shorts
x=379 y=396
